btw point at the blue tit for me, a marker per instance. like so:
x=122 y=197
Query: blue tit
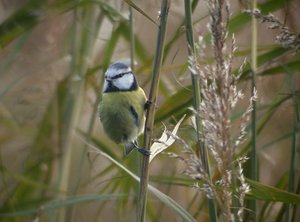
x=122 y=108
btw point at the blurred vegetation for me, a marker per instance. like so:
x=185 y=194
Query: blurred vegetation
x=53 y=55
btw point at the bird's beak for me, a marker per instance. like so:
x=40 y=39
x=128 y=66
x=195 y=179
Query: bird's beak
x=108 y=79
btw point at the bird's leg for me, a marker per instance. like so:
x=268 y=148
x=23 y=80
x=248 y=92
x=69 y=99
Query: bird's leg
x=141 y=150
x=147 y=104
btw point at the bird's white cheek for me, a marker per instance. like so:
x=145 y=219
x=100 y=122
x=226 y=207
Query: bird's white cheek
x=124 y=83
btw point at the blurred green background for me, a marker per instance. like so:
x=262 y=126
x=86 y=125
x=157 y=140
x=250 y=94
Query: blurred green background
x=52 y=58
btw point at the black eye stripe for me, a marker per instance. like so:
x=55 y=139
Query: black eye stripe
x=120 y=75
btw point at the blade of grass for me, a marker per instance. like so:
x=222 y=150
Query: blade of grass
x=110 y=12
x=57 y=204
x=150 y=111
x=8 y=60
x=181 y=100
x=21 y=21
x=277 y=140
x=264 y=120
x=294 y=155
x=129 y=2
x=293 y=66
x=267 y=207
x=268 y=193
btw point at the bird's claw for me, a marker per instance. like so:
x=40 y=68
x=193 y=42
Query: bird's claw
x=147 y=104
x=143 y=151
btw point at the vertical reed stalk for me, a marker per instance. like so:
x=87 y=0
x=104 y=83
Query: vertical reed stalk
x=289 y=214
x=253 y=155
x=132 y=50
x=132 y=43
x=68 y=122
x=196 y=101
x=72 y=101
x=93 y=28
x=150 y=112
x=295 y=144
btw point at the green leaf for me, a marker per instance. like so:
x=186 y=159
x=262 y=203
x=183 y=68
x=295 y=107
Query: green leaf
x=176 y=104
x=260 y=191
x=263 y=59
x=21 y=21
x=173 y=180
x=103 y=145
x=293 y=66
x=266 y=209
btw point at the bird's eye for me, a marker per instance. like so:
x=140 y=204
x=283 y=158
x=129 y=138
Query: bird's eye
x=117 y=76
x=120 y=75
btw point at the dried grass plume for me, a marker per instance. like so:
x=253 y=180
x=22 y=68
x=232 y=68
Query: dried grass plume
x=219 y=97
x=286 y=38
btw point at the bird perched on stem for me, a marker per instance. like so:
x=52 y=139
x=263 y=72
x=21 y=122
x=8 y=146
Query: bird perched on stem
x=122 y=108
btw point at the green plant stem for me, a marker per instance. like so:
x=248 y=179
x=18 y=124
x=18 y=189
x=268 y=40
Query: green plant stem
x=196 y=102
x=294 y=153
x=132 y=50
x=66 y=124
x=289 y=214
x=150 y=112
x=132 y=45
x=93 y=28
x=90 y=128
x=292 y=170
x=253 y=155
x=81 y=45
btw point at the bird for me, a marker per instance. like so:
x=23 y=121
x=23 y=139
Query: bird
x=122 y=107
